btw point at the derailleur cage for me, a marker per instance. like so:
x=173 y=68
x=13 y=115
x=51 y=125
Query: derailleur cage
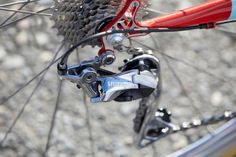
x=157 y=127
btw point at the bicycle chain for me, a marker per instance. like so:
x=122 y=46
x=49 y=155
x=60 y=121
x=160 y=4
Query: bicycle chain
x=141 y=112
x=228 y=115
x=139 y=116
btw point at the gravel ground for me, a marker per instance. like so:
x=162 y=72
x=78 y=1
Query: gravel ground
x=201 y=77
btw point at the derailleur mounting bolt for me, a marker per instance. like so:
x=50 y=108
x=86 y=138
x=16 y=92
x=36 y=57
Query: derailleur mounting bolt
x=116 y=39
x=108 y=58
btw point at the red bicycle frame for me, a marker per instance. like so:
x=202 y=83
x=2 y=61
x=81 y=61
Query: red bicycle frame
x=209 y=12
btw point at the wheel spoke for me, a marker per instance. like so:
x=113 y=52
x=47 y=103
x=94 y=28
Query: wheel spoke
x=23 y=18
x=52 y=125
x=158 y=12
x=87 y=115
x=227 y=32
x=18 y=2
x=24 y=12
x=11 y=16
x=35 y=77
x=88 y=123
x=185 y=92
x=26 y=103
x=154 y=150
x=22 y=110
x=226 y=80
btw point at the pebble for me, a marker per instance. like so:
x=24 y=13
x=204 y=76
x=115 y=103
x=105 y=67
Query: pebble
x=8 y=45
x=121 y=152
x=13 y=62
x=216 y=98
x=22 y=38
x=25 y=24
x=42 y=38
x=179 y=141
x=3 y=53
x=78 y=124
x=46 y=56
x=127 y=108
x=45 y=2
x=128 y=140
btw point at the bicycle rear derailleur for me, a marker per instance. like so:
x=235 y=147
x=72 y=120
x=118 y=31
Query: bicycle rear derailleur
x=137 y=77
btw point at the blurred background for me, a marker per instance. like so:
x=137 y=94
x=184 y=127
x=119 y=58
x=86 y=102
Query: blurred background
x=198 y=73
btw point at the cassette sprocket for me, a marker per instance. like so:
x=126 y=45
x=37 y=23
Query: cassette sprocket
x=76 y=19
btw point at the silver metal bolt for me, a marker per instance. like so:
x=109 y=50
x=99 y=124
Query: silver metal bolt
x=108 y=58
x=116 y=39
x=89 y=75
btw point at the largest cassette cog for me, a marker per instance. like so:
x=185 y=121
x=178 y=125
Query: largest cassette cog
x=77 y=19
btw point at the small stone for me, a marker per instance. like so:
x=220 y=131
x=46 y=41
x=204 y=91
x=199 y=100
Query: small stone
x=127 y=108
x=79 y=124
x=179 y=141
x=13 y=62
x=106 y=147
x=25 y=24
x=128 y=140
x=42 y=38
x=3 y=53
x=22 y=38
x=216 y=98
x=45 y=2
x=46 y=56
x=121 y=152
